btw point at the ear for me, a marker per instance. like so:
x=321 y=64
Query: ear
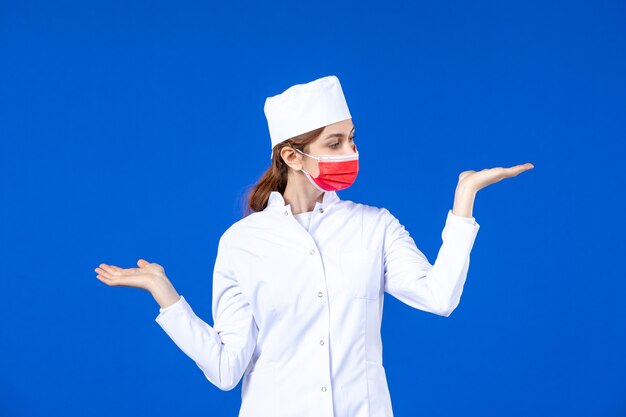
x=292 y=158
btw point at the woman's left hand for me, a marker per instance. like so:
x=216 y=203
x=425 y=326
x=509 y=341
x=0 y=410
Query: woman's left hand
x=476 y=181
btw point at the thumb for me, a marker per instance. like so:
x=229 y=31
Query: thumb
x=142 y=263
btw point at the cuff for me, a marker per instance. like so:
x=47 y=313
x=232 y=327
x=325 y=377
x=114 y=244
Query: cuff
x=460 y=229
x=174 y=306
x=469 y=220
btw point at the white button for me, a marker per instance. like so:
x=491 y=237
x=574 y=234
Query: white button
x=324 y=389
x=312 y=251
x=322 y=342
x=286 y=213
x=319 y=294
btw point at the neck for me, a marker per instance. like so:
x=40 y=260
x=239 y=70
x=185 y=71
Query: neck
x=300 y=193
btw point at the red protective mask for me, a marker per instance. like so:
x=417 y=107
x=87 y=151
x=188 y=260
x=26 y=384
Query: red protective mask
x=337 y=172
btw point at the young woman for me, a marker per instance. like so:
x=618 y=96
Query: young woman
x=298 y=282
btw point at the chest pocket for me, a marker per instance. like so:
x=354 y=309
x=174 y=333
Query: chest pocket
x=361 y=270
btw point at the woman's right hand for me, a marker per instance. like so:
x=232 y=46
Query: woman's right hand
x=149 y=276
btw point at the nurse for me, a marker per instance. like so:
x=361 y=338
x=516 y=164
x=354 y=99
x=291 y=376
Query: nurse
x=299 y=281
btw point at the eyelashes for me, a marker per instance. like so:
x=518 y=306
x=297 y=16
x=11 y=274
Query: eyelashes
x=334 y=145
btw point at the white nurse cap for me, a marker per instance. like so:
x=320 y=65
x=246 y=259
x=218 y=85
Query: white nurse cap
x=305 y=107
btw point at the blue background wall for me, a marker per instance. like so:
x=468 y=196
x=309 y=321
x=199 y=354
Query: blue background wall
x=132 y=130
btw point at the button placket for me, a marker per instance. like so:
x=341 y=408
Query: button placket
x=324 y=353
x=320 y=294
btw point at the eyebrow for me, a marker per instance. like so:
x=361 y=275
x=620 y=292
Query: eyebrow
x=338 y=135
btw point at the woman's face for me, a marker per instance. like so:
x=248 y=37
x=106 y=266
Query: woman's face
x=336 y=139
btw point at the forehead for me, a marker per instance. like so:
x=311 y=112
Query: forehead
x=339 y=129
x=339 y=126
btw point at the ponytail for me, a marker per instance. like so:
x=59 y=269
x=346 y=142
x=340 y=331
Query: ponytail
x=275 y=177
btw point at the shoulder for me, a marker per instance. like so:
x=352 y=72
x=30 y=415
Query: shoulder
x=244 y=227
x=368 y=208
x=369 y=211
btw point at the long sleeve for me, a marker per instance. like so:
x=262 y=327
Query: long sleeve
x=470 y=220
x=409 y=276
x=223 y=351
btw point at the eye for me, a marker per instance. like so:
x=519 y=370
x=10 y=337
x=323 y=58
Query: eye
x=334 y=145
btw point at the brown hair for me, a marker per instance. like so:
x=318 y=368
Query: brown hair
x=275 y=177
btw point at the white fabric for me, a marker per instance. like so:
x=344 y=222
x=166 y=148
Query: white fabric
x=304 y=219
x=305 y=107
x=298 y=313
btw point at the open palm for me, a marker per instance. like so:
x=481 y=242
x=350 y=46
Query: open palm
x=143 y=277
x=478 y=180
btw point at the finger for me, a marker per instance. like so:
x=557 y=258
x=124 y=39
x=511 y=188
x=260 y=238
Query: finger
x=525 y=166
x=116 y=271
x=116 y=268
x=111 y=279
x=514 y=171
x=106 y=280
x=123 y=281
x=142 y=263
x=110 y=270
x=104 y=273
